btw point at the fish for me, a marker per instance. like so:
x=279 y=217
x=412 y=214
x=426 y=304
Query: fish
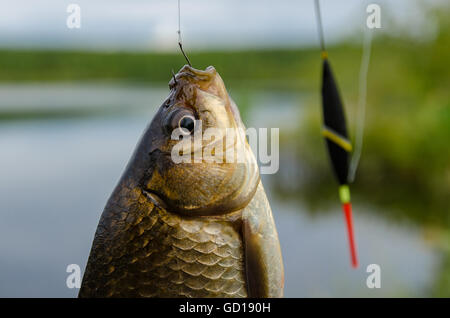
x=187 y=229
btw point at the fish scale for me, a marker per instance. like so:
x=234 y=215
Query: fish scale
x=162 y=254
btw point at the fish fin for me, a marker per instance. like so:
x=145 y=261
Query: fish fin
x=263 y=261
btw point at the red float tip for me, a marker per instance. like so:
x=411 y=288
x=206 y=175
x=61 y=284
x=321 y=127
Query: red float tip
x=347 y=208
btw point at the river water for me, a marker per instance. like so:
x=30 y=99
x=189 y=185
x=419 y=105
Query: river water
x=56 y=174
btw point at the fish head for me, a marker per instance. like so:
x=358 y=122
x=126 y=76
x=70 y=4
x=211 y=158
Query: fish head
x=199 y=160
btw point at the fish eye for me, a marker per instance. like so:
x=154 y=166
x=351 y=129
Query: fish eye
x=182 y=119
x=187 y=124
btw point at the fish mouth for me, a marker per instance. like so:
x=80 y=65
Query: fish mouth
x=193 y=75
x=235 y=190
x=234 y=203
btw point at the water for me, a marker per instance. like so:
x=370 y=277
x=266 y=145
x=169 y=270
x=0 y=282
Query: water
x=56 y=175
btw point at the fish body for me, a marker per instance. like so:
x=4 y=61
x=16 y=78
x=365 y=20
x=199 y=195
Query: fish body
x=196 y=229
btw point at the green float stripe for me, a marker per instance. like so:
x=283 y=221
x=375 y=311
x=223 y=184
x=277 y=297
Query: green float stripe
x=344 y=193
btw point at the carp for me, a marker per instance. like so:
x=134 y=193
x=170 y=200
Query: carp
x=187 y=229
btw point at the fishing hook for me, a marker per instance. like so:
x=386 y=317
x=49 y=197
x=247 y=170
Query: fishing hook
x=174 y=78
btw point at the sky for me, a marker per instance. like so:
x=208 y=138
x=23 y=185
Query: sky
x=218 y=24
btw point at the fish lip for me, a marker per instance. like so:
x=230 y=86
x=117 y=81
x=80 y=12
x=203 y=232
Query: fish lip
x=235 y=201
x=159 y=202
x=188 y=73
x=189 y=70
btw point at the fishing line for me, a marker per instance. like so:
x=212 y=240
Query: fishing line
x=320 y=28
x=362 y=102
x=180 y=42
